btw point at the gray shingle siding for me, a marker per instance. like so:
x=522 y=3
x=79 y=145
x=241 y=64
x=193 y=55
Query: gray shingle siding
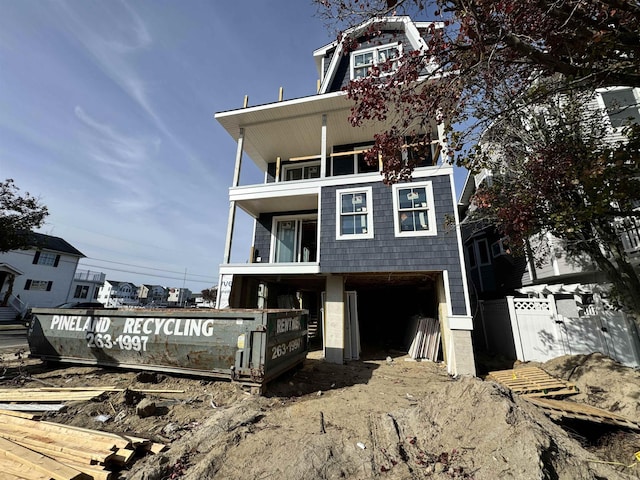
x=388 y=253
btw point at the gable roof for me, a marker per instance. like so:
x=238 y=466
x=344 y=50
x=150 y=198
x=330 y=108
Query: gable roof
x=48 y=242
x=335 y=49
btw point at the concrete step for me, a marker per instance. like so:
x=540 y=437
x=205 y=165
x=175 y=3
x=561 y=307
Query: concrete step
x=8 y=315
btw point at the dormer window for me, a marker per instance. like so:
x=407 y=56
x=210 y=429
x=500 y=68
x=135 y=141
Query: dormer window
x=362 y=61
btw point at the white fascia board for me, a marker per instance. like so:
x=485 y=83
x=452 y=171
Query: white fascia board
x=268 y=190
x=269 y=268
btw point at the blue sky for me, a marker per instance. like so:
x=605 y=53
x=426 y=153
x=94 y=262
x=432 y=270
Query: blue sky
x=106 y=114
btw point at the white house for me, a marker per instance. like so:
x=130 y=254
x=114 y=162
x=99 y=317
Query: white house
x=86 y=286
x=116 y=294
x=38 y=276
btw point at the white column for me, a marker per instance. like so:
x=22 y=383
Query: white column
x=323 y=148
x=232 y=204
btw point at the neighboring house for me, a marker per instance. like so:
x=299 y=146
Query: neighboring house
x=364 y=258
x=537 y=310
x=117 y=294
x=86 y=285
x=38 y=276
x=178 y=297
x=152 y=295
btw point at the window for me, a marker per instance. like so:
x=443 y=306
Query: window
x=82 y=291
x=354 y=213
x=46 y=258
x=414 y=212
x=350 y=159
x=301 y=171
x=295 y=239
x=362 y=61
x=501 y=247
x=41 y=285
x=483 y=251
x=622 y=106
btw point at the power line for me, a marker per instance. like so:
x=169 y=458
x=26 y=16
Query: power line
x=151 y=274
x=146 y=268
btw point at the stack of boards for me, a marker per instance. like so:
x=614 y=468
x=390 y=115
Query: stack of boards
x=39 y=450
x=426 y=339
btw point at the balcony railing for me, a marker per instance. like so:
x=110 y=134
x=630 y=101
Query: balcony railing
x=89 y=276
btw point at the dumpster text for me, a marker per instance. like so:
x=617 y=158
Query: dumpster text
x=135 y=331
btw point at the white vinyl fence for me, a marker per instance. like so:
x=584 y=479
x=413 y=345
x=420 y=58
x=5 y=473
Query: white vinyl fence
x=530 y=329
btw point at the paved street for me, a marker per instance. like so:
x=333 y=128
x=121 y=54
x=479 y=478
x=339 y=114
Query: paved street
x=12 y=338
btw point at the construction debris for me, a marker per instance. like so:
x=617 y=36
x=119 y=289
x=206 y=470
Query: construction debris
x=426 y=339
x=33 y=449
x=532 y=382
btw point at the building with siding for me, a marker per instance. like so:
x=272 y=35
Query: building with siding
x=362 y=257
x=86 y=285
x=40 y=275
x=580 y=315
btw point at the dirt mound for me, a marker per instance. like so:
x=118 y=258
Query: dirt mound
x=385 y=418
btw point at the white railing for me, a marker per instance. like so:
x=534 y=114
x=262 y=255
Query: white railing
x=89 y=276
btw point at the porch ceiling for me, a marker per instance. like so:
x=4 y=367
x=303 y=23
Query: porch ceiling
x=256 y=206
x=293 y=128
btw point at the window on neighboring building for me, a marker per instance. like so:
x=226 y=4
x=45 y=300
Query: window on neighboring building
x=42 y=285
x=354 y=213
x=46 y=258
x=82 y=291
x=362 y=61
x=622 y=106
x=414 y=211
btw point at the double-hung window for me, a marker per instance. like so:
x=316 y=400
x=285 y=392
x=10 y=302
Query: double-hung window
x=414 y=211
x=362 y=61
x=46 y=258
x=354 y=213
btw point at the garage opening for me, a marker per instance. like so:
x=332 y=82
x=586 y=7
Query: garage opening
x=389 y=312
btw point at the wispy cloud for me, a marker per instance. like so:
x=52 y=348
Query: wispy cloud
x=115 y=48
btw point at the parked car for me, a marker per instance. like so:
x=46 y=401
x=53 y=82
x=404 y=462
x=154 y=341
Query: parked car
x=84 y=305
x=80 y=305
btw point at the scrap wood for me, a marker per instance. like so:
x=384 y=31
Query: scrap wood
x=20 y=414
x=37 y=395
x=581 y=411
x=32 y=407
x=532 y=381
x=39 y=462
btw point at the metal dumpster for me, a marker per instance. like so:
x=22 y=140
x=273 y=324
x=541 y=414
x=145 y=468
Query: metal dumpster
x=249 y=346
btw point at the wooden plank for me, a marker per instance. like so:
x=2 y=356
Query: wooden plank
x=20 y=414
x=89 y=438
x=123 y=456
x=133 y=441
x=42 y=463
x=11 y=469
x=580 y=411
x=33 y=407
x=57 y=450
x=96 y=471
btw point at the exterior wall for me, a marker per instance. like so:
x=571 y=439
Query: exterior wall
x=388 y=253
x=85 y=278
x=342 y=76
x=262 y=239
x=61 y=277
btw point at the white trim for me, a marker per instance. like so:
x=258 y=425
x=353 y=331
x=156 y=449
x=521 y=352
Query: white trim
x=296 y=165
x=460 y=322
x=270 y=268
x=463 y=272
x=432 y=229
x=447 y=292
x=368 y=191
x=283 y=218
x=375 y=60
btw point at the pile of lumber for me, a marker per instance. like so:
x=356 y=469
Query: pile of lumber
x=41 y=450
x=41 y=399
x=426 y=339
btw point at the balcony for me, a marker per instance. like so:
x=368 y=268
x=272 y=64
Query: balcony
x=89 y=276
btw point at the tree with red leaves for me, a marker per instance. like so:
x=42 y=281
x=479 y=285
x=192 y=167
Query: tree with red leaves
x=557 y=170
x=481 y=52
